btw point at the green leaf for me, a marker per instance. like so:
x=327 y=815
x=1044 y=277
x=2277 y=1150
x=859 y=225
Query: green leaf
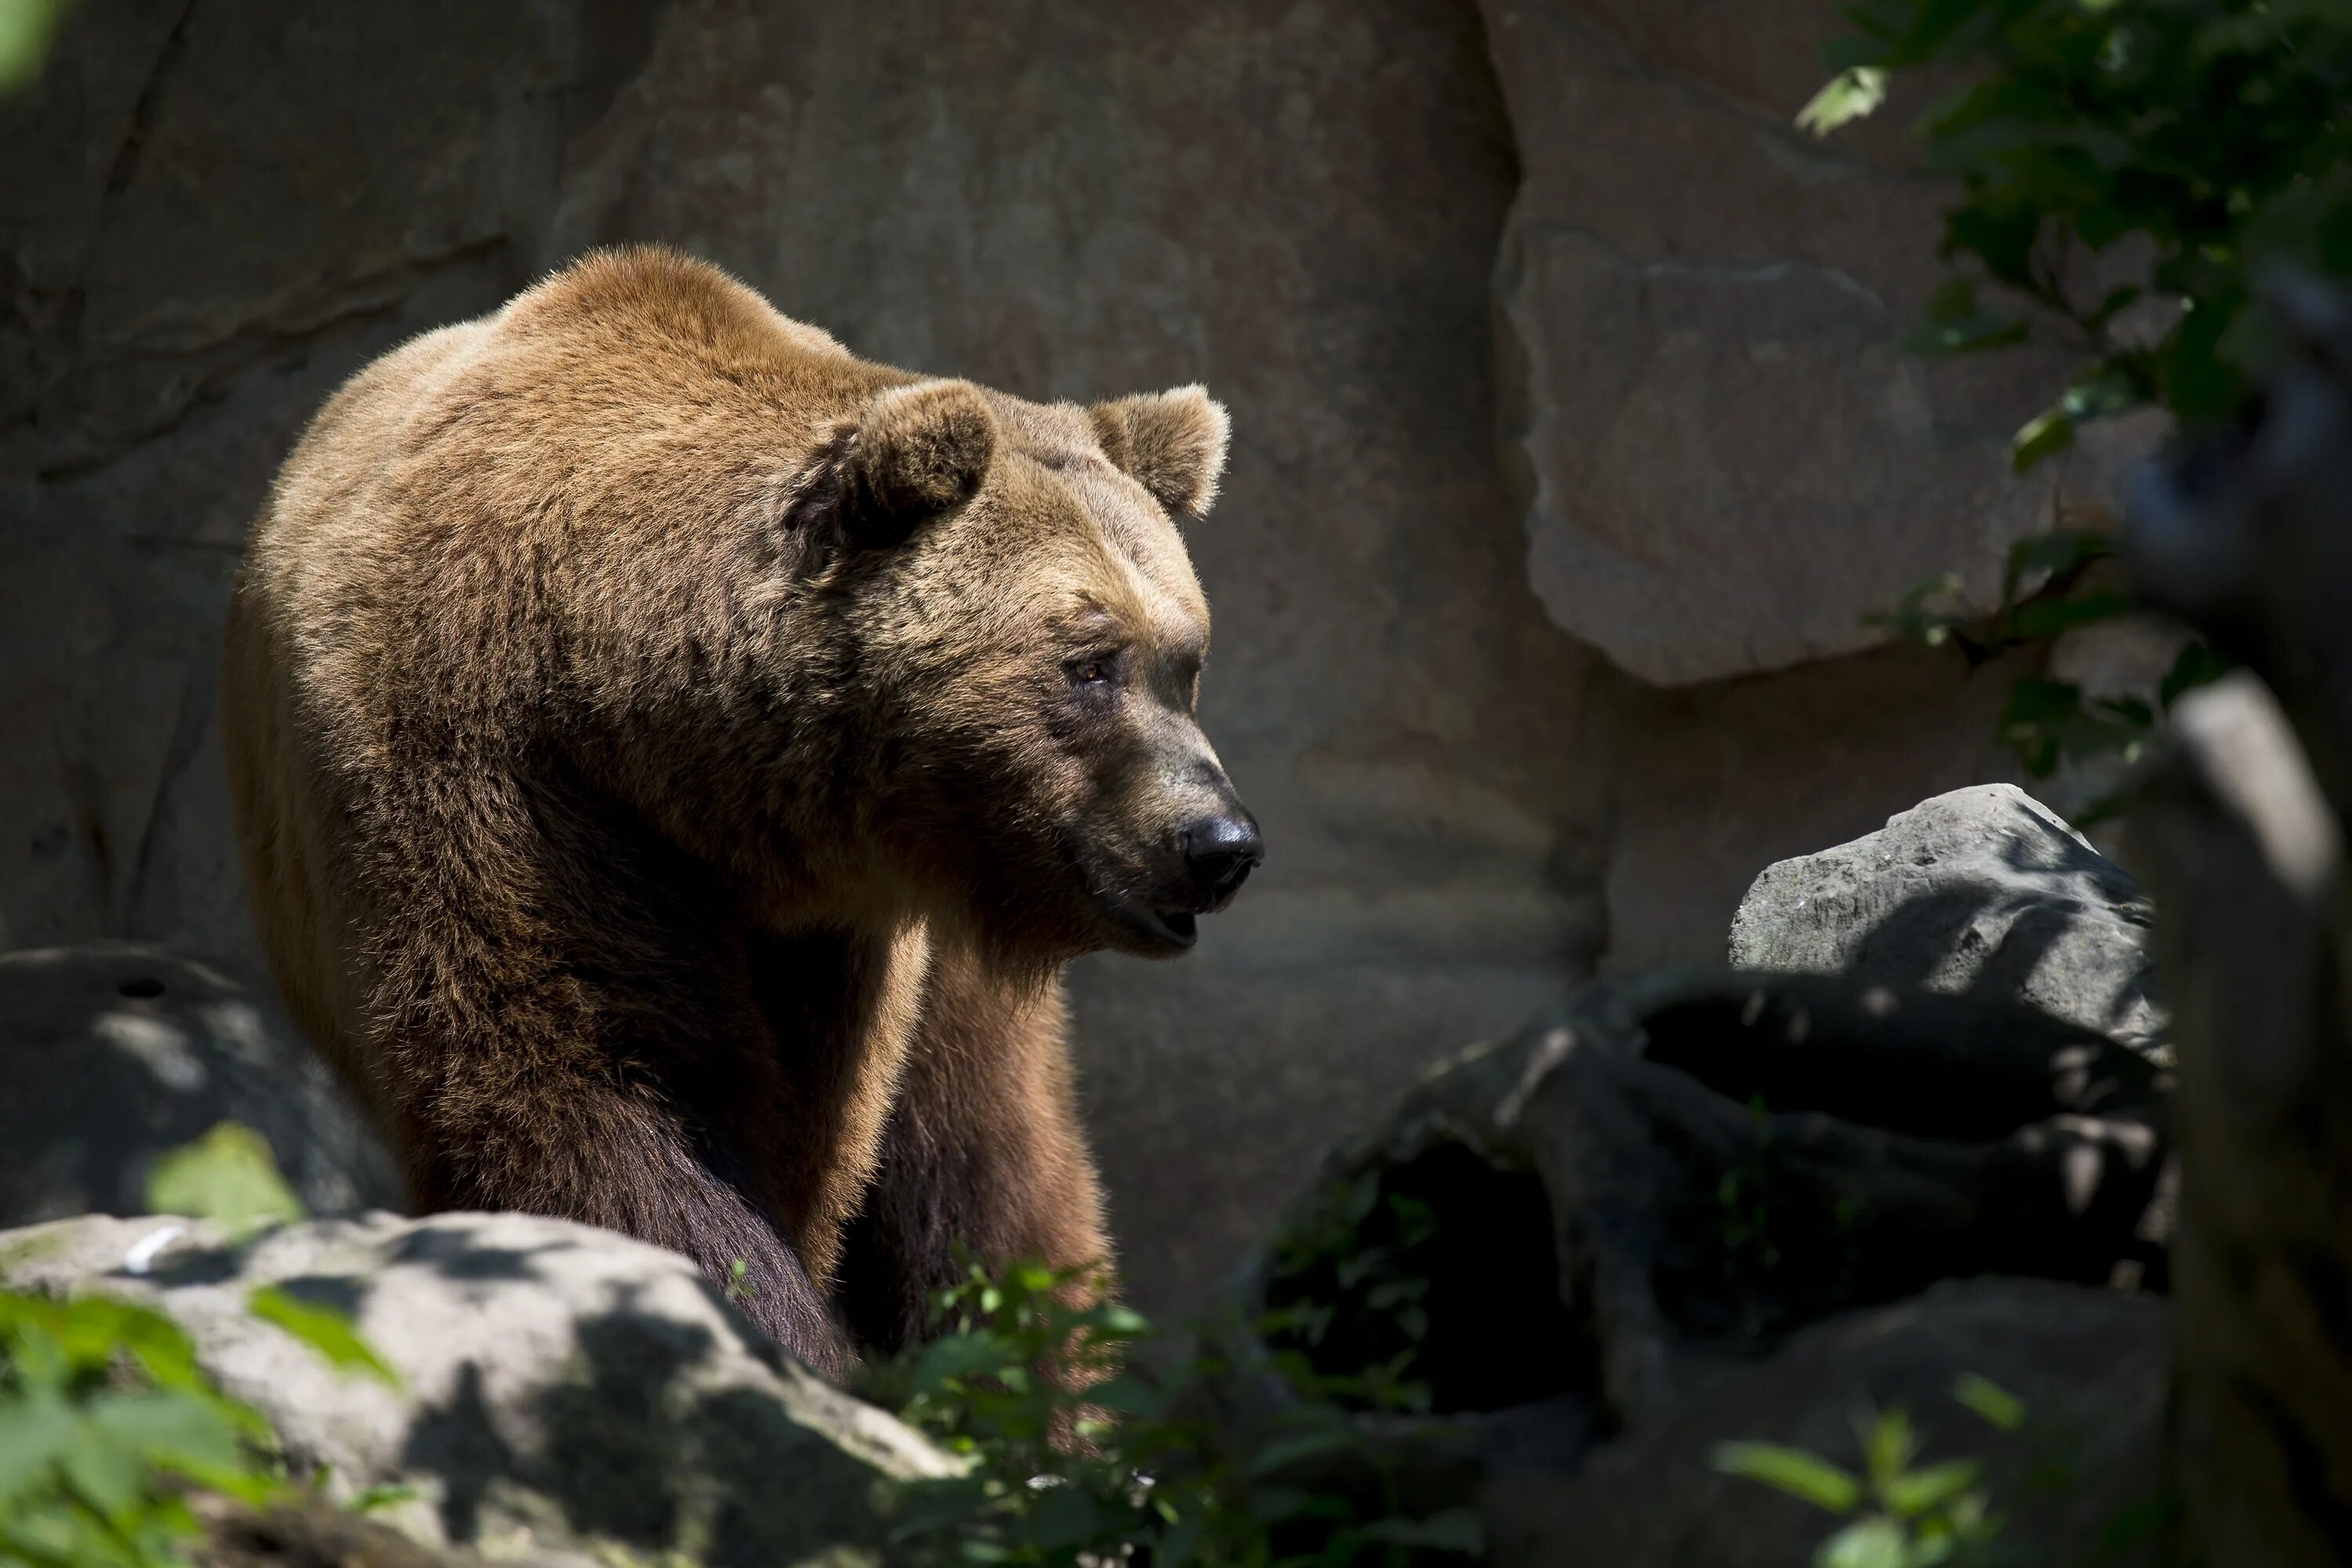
x=228 y=1176
x=105 y=1475
x=2045 y=434
x=170 y=1430
x=1283 y=1451
x=383 y=1497
x=1801 y=1474
x=2198 y=665
x=27 y=28
x=1919 y=1491
x=2052 y=557
x=2048 y=618
x=1872 y=1543
x=325 y=1329
x=1456 y=1529
x=1065 y=1517
x=1888 y=1447
x=1993 y=1403
x=1851 y=94
x=34 y=1432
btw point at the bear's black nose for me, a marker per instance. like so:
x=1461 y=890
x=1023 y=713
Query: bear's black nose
x=1220 y=852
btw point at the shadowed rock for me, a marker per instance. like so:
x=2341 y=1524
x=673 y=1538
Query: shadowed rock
x=115 y=1052
x=1643 y=1202
x=563 y=1388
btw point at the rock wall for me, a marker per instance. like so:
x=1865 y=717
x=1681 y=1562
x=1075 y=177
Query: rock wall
x=232 y=204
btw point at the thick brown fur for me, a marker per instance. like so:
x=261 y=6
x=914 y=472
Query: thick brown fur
x=673 y=759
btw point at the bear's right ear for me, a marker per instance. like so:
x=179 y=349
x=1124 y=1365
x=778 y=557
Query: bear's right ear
x=916 y=451
x=1172 y=443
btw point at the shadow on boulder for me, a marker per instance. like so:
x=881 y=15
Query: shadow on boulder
x=1571 y=1236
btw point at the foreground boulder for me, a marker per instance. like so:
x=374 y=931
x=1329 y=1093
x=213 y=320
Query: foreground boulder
x=2075 y=1480
x=1984 y=891
x=563 y=1389
x=115 y=1052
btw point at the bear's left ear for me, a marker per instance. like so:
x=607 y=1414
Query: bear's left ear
x=1172 y=443
x=918 y=450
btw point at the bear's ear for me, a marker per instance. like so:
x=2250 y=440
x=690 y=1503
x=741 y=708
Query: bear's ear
x=916 y=451
x=1173 y=443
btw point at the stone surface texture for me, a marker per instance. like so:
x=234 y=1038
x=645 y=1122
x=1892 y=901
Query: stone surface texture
x=114 y=1052
x=562 y=1388
x=1725 y=460
x=228 y=207
x=1984 y=890
x=2088 y=1366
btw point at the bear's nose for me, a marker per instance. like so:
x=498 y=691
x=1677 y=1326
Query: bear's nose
x=1220 y=852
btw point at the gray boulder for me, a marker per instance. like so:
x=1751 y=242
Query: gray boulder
x=563 y=1389
x=1984 y=891
x=2076 y=1480
x=114 y=1052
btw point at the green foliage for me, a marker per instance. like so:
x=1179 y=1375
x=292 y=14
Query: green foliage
x=2049 y=586
x=226 y=1176
x=1898 y=1513
x=1743 y=1199
x=1077 y=1456
x=106 y=1420
x=2115 y=152
x=2128 y=170
x=1360 y=1243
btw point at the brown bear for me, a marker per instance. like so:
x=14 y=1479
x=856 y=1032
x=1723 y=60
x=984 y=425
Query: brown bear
x=674 y=760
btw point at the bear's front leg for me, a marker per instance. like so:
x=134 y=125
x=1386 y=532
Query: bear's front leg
x=586 y=1145
x=983 y=1151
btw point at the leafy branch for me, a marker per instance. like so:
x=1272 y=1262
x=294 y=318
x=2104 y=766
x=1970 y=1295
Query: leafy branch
x=2128 y=170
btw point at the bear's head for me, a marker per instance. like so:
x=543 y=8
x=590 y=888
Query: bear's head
x=1030 y=636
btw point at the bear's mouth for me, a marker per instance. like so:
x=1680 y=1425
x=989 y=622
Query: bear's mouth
x=1170 y=930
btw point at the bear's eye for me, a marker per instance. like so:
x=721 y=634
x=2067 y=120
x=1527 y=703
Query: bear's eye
x=1095 y=672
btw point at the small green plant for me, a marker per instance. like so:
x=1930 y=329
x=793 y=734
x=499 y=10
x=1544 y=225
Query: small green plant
x=1362 y=1243
x=1899 y=1514
x=106 y=1419
x=739 y=1288
x=1059 y=1441
x=1078 y=1456
x=1744 y=1207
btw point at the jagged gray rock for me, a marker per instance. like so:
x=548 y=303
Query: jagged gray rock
x=1983 y=891
x=563 y=1388
x=114 y=1052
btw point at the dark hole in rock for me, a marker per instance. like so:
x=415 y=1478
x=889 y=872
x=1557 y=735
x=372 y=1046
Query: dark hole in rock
x=1442 y=1267
x=142 y=986
x=1928 y=1067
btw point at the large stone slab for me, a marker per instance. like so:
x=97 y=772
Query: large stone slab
x=1724 y=459
x=561 y=1387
